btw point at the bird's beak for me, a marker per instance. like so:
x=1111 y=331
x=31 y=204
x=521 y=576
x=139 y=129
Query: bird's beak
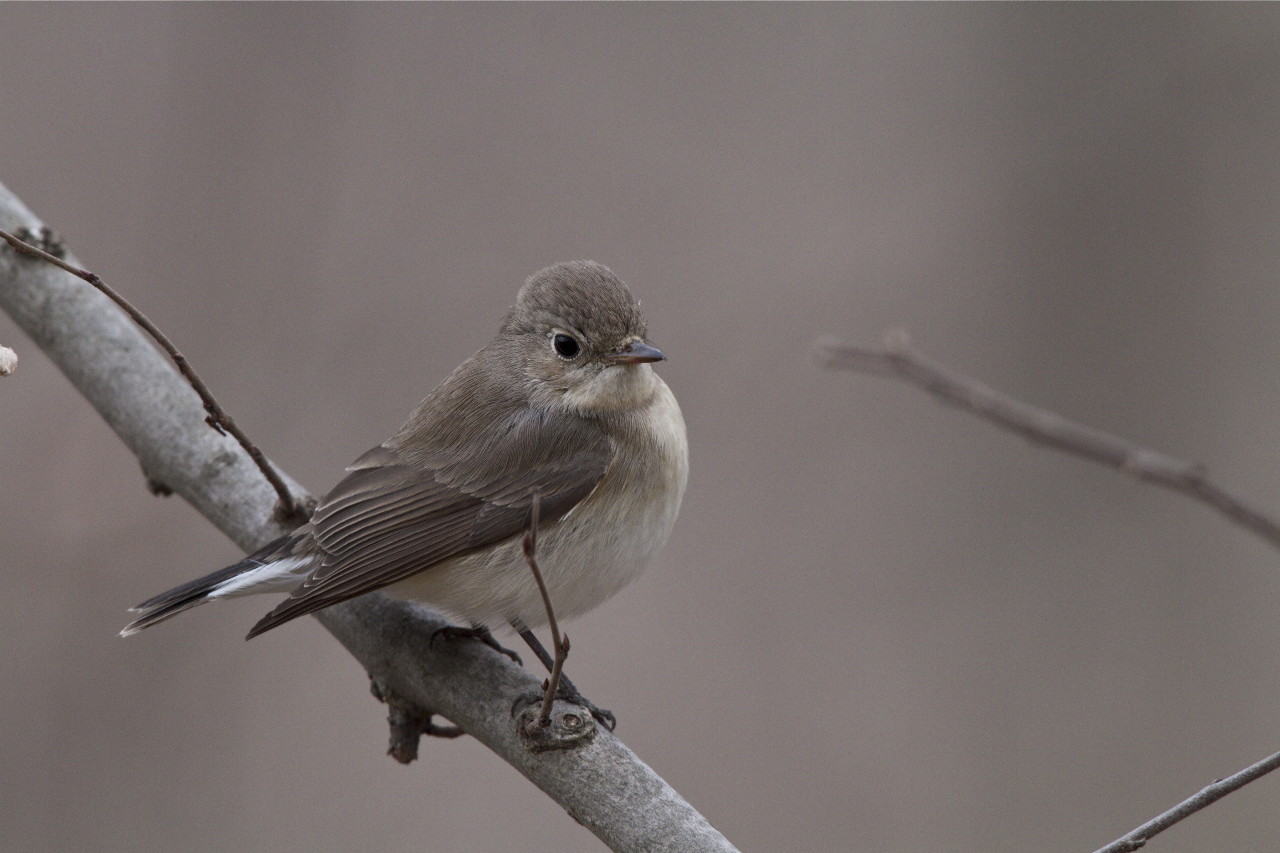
x=636 y=352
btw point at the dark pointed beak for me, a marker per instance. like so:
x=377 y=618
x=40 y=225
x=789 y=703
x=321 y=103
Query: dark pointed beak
x=637 y=352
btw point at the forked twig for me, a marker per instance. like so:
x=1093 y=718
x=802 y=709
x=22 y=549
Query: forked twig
x=289 y=507
x=1219 y=789
x=561 y=644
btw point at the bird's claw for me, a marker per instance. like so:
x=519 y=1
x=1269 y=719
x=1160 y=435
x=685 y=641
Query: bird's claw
x=603 y=716
x=457 y=632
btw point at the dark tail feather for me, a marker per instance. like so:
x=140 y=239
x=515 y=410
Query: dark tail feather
x=290 y=608
x=196 y=592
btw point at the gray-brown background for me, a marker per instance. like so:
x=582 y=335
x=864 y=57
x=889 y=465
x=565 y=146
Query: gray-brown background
x=879 y=625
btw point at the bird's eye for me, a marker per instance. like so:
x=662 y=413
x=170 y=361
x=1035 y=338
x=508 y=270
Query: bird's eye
x=565 y=345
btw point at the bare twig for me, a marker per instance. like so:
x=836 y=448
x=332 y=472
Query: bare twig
x=290 y=509
x=559 y=643
x=899 y=361
x=1219 y=789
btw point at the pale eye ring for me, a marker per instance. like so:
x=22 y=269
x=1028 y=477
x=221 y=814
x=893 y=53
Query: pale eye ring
x=566 y=346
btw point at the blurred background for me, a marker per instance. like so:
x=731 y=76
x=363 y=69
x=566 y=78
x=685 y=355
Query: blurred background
x=880 y=624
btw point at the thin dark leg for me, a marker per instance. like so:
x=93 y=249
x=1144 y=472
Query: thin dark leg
x=539 y=650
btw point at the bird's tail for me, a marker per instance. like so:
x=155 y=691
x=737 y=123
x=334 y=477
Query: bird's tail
x=275 y=567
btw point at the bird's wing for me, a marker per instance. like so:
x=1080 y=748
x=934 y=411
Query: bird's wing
x=395 y=514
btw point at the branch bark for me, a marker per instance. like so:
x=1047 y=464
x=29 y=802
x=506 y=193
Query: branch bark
x=1209 y=794
x=593 y=775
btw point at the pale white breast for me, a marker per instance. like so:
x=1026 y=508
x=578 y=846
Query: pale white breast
x=590 y=554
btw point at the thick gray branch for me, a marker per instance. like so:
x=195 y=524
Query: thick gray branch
x=600 y=782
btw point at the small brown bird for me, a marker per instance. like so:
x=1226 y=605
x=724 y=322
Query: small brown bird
x=562 y=403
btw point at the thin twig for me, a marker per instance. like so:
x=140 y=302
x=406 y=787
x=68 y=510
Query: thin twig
x=561 y=644
x=899 y=361
x=289 y=507
x=1219 y=789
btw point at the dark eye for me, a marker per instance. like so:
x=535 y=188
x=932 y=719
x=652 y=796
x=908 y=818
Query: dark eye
x=565 y=345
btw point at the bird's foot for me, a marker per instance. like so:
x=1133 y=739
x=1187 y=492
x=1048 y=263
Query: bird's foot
x=603 y=716
x=476 y=632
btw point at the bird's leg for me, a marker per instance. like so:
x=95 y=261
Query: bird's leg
x=557 y=686
x=539 y=650
x=475 y=632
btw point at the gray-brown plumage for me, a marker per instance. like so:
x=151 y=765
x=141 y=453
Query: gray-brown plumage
x=562 y=403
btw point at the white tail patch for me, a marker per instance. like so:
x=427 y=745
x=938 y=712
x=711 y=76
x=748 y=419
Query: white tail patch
x=283 y=575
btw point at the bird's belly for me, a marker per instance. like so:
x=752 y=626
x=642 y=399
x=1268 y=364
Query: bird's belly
x=585 y=557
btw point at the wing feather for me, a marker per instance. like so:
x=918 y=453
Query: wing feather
x=396 y=513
